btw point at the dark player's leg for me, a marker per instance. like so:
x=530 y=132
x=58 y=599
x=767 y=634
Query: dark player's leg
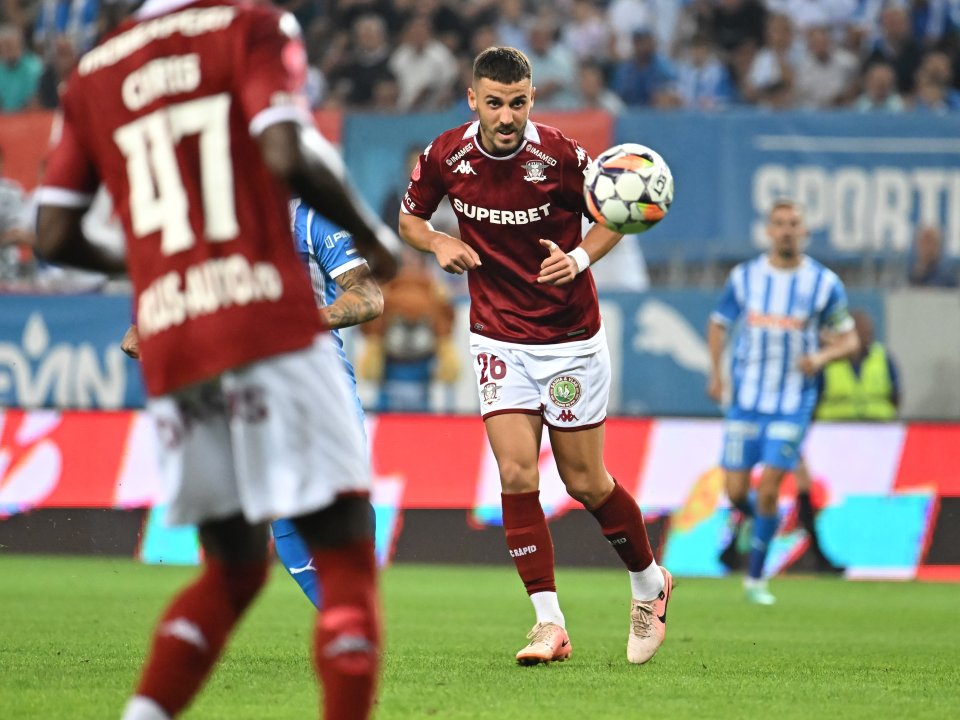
x=347 y=636
x=738 y=491
x=807 y=517
x=579 y=456
x=296 y=558
x=194 y=628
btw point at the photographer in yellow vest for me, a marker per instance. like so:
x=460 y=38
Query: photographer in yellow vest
x=864 y=387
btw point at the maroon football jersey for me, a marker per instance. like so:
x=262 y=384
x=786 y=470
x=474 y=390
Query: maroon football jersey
x=165 y=111
x=504 y=206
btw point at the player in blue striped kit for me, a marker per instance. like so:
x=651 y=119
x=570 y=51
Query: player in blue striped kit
x=346 y=295
x=329 y=254
x=780 y=302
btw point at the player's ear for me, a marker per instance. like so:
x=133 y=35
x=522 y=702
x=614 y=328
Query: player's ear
x=471 y=99
x=533 y=95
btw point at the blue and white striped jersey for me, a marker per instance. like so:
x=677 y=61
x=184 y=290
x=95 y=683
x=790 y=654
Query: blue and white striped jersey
x=780 y=314
x=328 y=251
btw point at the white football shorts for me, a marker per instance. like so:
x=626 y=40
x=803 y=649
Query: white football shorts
x=568 y=384
x=274 y=439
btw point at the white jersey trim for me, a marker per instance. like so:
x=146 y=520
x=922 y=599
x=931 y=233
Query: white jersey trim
x=277 y=114
x=62 y=197
x=348 y=265
x=530 y=134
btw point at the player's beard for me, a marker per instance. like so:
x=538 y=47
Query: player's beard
x=499 y=149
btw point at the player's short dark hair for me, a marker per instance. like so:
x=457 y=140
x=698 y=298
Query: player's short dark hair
x=505 y=65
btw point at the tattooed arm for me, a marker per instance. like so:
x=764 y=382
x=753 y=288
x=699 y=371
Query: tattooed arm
x=360 y=301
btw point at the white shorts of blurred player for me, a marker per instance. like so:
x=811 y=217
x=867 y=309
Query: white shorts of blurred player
x=568 y=384
x=277 y=438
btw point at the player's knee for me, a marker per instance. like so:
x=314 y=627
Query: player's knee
x=241 y=582
x=518 y=477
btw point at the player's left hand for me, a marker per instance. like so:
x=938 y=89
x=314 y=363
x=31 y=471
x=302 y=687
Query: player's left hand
x=811 y=364
x=558 y=268
x=131 y=342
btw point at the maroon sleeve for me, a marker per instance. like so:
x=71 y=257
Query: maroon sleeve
x=71 y=177
x=426 y=188
x=575 y=161
x=274 y=70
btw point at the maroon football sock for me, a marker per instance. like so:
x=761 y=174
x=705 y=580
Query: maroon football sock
x=347 y=637
x=192 y=632
x=529 y=541
x=622 y=525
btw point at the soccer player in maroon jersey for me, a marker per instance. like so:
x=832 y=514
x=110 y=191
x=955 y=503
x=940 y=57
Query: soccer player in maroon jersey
x=540 y=352
x=191 y=114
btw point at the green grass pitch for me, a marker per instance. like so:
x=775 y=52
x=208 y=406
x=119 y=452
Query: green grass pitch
x=73 y=632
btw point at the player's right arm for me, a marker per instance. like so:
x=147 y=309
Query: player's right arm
x=716 y=341
x=452 y=254
x=302 y=159
x=360 y=300
x=725 y=314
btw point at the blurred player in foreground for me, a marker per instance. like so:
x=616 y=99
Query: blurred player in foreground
x=540 y=351
x=333 y=262
x=783 y=300
x=192 y=116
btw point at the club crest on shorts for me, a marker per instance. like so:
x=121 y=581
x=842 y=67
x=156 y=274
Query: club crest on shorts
x=536 y=171
x=565 y=391
x=491 y=393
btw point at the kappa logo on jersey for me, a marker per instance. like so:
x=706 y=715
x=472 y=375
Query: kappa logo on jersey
x=581 y=156
x=536 y=171
x=565 y=391
x=566 y=416
x=465 y=168
x=491 y=393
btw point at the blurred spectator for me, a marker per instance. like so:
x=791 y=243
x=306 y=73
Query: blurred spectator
x=594 y=93
x=424 y=68
x=627 y=18
x=448 y=25
x=647 y=76
x=928 y=269
x=16 y=243
x=933 y=20
x=512 y=24
x=20 y=71
x=587 y=34
x=77 y=19
x=353 y=82
x=554 y=69
x=738 y=22
x=771 y=77
x=863 y=387
x=931 y=96
x=937 y=67
x=55 y=72
x=895 y=45
x=11 y=201
x=828 y=76
x=879 y=90
x=410 y=345
x=696 y=18
x=703 y=82
x=805 y=14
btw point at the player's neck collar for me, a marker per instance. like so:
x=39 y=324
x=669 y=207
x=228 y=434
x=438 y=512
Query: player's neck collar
x=530 y=134
x=153 y=8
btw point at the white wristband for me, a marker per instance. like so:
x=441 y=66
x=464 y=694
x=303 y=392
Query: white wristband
x=581 y=258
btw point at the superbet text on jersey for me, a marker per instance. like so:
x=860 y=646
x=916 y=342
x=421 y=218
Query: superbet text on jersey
x=505 y=205
x=165 y=112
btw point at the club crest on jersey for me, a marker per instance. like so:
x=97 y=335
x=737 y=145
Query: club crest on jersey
x=536 y=171
x=491 y=393
x=565 y=391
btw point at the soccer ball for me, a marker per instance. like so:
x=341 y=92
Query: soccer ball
x=628 y=188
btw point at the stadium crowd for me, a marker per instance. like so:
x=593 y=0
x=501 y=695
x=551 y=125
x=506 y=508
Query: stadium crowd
x=399 y=55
